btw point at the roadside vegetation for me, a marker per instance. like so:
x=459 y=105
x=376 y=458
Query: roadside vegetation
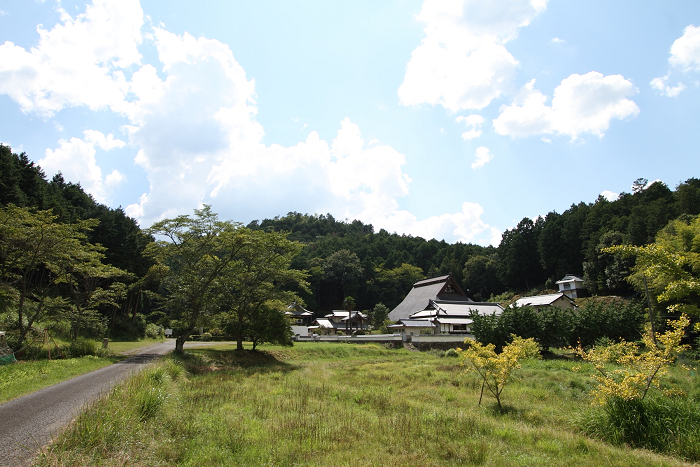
x=347 y=405
x=70 y=360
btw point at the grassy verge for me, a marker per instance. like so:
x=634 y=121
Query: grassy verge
x=25 y=377
x=339 y=405
x=121 y=347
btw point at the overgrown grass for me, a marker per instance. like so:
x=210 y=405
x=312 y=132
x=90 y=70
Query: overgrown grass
x=670 y=425
x=339 y=405
x=27 y=376
x=23 y=378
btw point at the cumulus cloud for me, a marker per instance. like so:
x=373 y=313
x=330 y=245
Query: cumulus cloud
x=609 y=195
x=581 y=104
x=684 y=55
x=78 y=62
x=474 y=123
x=685 y=51
x=462 y=63
x=75 y=159
x=465 y=226
x=661 y=85
x=483 y=155
x=194 y=128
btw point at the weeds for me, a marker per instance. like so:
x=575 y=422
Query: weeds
x=336 y=405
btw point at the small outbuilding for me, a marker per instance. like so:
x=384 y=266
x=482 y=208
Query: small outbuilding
x=572 y=286
x=554 y=299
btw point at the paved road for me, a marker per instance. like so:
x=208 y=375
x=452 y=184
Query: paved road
x=27 y=423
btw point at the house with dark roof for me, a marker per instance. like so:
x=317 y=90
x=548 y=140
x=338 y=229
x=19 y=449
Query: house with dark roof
x=418 y=298
x=445 y=317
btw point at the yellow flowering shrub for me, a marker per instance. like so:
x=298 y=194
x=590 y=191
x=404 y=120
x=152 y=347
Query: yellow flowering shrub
x=495 y=369
x=638 y=371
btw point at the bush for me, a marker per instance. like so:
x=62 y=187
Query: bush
x=205 y=336
x=81 y=347
x=154 y=331
x=668 y=425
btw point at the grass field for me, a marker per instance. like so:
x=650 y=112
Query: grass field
x=339 y=405
x=28 y=376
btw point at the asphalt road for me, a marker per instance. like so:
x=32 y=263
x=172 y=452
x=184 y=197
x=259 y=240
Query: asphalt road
x=28 y=423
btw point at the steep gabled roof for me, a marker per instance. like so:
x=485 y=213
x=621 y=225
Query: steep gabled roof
x=436 y=288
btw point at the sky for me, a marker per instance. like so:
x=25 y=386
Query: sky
x=447 y=119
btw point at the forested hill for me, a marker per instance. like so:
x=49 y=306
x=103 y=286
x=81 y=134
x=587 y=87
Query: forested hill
x=24 y=184
x=349 y=258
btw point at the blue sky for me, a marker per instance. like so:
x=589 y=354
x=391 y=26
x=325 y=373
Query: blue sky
x=443 y=119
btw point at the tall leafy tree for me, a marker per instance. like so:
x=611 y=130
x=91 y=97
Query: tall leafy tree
x=198 y=250
x=258 y=276
x=38 y=254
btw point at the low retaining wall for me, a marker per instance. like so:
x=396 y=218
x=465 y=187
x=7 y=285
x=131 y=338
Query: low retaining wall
x=362 y=338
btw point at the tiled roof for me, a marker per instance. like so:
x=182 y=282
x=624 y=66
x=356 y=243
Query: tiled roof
x=420 y=295
x=569 y=278
x=539 y=300
x=415 y=323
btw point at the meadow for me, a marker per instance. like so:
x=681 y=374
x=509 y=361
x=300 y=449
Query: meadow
x=341 y=405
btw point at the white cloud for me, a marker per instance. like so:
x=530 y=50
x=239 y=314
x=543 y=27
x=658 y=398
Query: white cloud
x=474 y=123
x=609 y=195
x=75 y=159
x=556 y=40
x=483 y=155
x=684 y=55
x=114 y=178
x=465 y=226
x=462 y=63
x=581 y=104
x=661 y=85
x=77 y=62
x=685 y=51
x=194 y=128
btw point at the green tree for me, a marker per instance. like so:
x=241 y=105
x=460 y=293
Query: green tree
x=342 y=267
x=270 y=325
x=259 y=273
x=38 y=255
x=393 y=284
x=671 y=264
x=198 y=251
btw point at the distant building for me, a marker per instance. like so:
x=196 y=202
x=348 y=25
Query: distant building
x=340 y=320
x=572 y=286
x=445 y=317
x=554 y=299
x=437 y=306
x=436 y=288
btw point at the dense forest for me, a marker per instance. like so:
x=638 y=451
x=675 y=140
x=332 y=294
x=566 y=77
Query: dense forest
x=351 y=259
x=534 y=254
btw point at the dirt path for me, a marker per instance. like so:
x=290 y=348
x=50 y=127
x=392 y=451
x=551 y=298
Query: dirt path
x=29 y=422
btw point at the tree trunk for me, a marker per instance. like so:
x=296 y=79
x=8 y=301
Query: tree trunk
x=239 y=332
x=180 y=342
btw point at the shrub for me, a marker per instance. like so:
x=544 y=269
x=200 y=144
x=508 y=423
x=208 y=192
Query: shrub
x=81 y=347
x=205 y=336
x=668 y=425
x=154 y=331
x=495 y=369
